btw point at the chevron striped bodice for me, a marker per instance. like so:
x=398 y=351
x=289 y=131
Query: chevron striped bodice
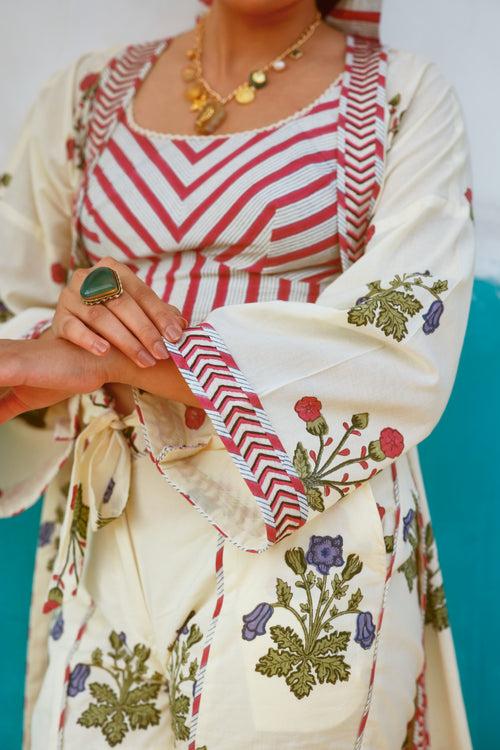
x=258 y=215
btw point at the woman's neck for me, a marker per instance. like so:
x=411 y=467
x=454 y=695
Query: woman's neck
x=244 y=41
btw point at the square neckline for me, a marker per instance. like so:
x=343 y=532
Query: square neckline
x=134 y=126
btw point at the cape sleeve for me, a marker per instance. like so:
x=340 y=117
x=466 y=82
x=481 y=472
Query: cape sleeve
x=309 y=400
x=36 y=235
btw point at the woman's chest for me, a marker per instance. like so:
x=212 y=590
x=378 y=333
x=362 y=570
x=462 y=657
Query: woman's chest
x=261 y=201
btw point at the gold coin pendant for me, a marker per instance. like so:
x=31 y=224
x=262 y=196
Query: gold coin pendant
x=245 y=94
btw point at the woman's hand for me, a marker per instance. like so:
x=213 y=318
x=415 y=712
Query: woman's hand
x=45 y=371
x=134 y=322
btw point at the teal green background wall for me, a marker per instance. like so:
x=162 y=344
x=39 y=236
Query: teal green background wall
x=461 y=466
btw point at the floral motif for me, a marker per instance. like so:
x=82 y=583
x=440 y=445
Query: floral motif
x=77 y=679
x=5 y=179
x=45 y=533
x=75 y=143
x=391 y=442
x=319 y=477
x=365 y=630
x=308 y=408
x=432 y=316
x=413 y=527
x=5 y=313
x=180 y=656
x=314 y=653
x=116 y=712
x=395 y=119
x=75 y=554
x=194 y=417
x=390 y=308
x=58 y=627
x=324 y=552
x=407 y=523
x=255 y=622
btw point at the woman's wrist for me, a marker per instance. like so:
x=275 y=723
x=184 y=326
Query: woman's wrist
x=164 y=380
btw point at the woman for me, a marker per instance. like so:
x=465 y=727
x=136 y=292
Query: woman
x=277 y=263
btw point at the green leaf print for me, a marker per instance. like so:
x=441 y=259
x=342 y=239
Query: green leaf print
x=301 y=461
x=390 y=308
x=312 y=653
x=436 y=611
x=182 y=668
x=116 y=729
x=283 y=592
x=276 y=663
x=301 y=680
x=331 y=669
x=117 y=712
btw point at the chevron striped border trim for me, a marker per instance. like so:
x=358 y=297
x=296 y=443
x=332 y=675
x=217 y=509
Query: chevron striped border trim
x=119 y=79
x=361 y=144
x=244 y=427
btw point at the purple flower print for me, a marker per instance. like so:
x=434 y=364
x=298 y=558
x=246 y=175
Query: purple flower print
x=77 y=679
x=407 y=521
x=365 y=630
x=58 y=627
x=185 y=630
x=256 y=620
x=432 y=316
x=45 y=533
x=360 y=300
x=122 y=636
x=324 y=552
x=108 y=491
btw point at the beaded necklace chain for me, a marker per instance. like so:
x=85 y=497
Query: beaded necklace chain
x=208 y=103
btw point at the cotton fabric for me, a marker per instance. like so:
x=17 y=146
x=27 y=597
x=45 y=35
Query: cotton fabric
x=188 y=554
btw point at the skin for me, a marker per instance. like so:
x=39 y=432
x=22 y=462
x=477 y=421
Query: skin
x=118 y=344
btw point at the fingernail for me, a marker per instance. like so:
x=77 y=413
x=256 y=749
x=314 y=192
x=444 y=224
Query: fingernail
x=101 y=346
x=160 y=350
x=174 y=331
x=185 y=322
x=145 y=359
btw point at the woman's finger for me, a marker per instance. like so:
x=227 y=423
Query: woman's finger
x=128 y=312
x=68 y=327
x=167 y=318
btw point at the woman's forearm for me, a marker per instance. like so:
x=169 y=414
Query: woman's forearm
x=163 y=379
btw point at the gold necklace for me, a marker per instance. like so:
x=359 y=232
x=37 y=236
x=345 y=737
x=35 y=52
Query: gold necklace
x=208 y=103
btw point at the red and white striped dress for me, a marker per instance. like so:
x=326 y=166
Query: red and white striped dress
x=222 y=219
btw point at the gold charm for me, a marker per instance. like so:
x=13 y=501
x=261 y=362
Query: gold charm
x=210 y=117
x=207 y=102
x=245 y=94
x=194 y=91
x=258 y=79
x=188 y=74
x=199 y=103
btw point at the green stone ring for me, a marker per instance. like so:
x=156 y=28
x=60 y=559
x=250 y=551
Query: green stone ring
x=101 y=285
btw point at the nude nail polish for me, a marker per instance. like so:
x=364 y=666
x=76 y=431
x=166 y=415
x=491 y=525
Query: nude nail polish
x=145 y=359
